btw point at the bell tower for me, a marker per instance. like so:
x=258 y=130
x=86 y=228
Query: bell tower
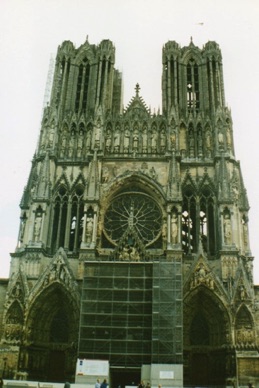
x=133 y=245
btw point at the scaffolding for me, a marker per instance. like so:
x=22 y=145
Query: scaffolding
x=131 y=313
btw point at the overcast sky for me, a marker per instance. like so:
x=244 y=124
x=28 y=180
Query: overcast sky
x=32 y=29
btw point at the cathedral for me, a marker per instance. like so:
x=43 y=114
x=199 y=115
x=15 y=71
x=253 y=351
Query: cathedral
x=133 y=259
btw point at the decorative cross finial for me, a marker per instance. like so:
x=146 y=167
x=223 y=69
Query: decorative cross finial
x=137 y=88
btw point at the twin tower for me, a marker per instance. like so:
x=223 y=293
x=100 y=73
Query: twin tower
x=133 y=252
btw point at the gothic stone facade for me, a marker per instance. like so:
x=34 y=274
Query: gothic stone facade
x=125 y=186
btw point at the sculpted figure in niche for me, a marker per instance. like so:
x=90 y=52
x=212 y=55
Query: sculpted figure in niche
x=89 y=228
x=162 y=140
x=37 y=228
x=97 y=134
x=183 y=140
x=135 y=139
x=153 y=173
x=174 y=228
x=208 y=143
x=51 y=137
x=117 y=139
x=71 y=145
x=144 y=140
x=88 y=138
x=199 y=143
x=105 y=174
x=126 y=140
x=242 y=292
x=134 y=255
x=22 y=228
x=124 y=255
x=227 y=229
x=63 y=145
x=228 y=138
x=245 y=230
x=80 y=144
x=108 y=141
x=154 y=140
x=173 y=140
x=191 y=143
x=221 y=139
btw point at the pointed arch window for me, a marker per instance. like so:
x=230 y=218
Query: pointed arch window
x=189 y=240
x=193 y=95
x=59 y=219
x=60 y=76
x=67 y=227
x=207 y=221
x=198 y=221
x=82 y=86
x=76 y=220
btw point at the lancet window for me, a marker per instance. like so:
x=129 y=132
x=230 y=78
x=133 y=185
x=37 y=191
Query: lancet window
x=193 y=97
x=82 y=86
x=76 y=220
x=214 y=86
x=62 y=80
x=198 y=221
x=68 y=212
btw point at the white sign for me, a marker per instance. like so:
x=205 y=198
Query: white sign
x=92 y=367
x=166 y=374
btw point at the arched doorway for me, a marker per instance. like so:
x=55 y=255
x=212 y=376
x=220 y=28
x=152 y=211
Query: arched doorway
x=205 y=339
x=49 y=352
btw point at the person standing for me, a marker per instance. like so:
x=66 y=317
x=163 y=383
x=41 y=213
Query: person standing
x=97 y=384
x=141 y=384
x=104 y=384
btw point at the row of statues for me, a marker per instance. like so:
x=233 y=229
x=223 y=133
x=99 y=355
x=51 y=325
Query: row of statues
x=196 y=142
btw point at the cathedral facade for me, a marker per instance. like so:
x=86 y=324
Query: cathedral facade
x=134 y=241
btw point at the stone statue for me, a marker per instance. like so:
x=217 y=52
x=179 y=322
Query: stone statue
x=154 y=140
x=80 y=144
x=191 y=144
x=174 y=229
x=37 y=228
x=108 y=141
x=89 y=229
x=105 y=175
x=200 y=144
x=88 y=139
x=97 y=134
x=162 y=140
x=117 y=139
x=144 y=140
x=227 y=229
x=135 y=140
x=221 y=139
x=126 y=140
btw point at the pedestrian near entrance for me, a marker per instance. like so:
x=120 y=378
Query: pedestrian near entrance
x=97 y=384
x=141 y=384
x=104 y=384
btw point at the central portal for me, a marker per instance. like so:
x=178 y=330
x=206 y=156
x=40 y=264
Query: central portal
x=122 y=377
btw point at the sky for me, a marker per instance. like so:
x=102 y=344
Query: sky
x=31 y=30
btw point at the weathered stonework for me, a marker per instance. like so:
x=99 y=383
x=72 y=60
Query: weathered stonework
x=134 y=187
